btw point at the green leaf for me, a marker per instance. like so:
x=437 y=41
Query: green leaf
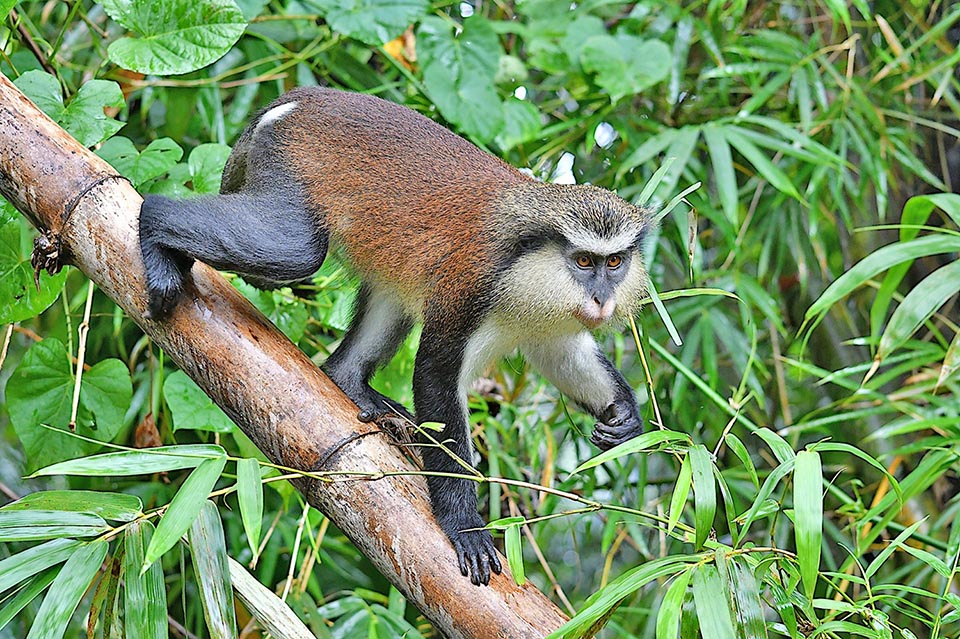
x=137 y=462
x=750 y=609
x=764 y=166
x=145 y=596
x=458 y=71
x=40 y=394
x=371 y=21
x=211 y=567
x=671 y=608
x=881 y=259
x=115 y=506
x=927 y=296
x=184 y=508
x=712 y=603
x=23 y=525
x=141 y=166
x=521 y=123
x=250 y=497
x=808 y=516
x=14 y=603
x=734 y=444
x=289 y=315
x=680 y=491
x=600 y=603
x=84 y=117
x=206 y=164
x=190 y=406
x=174 y=36
x=514 y=550
x=624 y=64
x=725 y=178
x=646 y=442
x=19 y=297
x=23 y=565
x=704 y=492
x=67 y=590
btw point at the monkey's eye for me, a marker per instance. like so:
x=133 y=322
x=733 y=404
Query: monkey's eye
x=614 y=261
x=584 y=261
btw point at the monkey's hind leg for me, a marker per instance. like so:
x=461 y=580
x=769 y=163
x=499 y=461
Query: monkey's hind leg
x=379 y=326
x=268 y=237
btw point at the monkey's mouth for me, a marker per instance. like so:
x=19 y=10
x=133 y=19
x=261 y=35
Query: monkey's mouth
x=594 y=314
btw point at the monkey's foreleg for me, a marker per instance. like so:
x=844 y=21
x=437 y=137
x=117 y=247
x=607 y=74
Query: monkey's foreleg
x=438 y=398
x=580 y=370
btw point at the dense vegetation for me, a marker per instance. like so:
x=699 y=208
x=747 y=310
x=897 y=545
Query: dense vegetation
x=800 y=475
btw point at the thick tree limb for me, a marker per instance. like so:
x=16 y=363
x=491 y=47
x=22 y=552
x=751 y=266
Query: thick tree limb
x=293 y=413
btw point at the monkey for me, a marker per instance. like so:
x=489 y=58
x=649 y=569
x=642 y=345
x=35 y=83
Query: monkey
x=488 y=259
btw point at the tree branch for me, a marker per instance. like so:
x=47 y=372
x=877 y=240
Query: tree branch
x=290 y=410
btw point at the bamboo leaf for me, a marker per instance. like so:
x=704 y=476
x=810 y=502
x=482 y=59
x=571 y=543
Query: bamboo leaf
x=67 y=590
x=680 y=492
x=919 y=304
x=671 y=608
x=712 y=603
x=880 y=260
x=641 y=443
x=136 y=462
x=25 y=525
x=514 y=551
x=184 y=508
x=808 y=516
x=725 y=178
x=32 y=561
x=145 y=596
x=704 y=492
x=764 y=166
x=250 y=497
x=211 y=567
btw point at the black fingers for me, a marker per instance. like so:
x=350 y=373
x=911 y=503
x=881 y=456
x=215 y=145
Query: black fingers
x=476 y=555
x=620 y=422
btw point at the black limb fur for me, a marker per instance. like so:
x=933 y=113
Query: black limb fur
x=269 y=238
x=454 y=501
x=620 y=421
x=378 y=328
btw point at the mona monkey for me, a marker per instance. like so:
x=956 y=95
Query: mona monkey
x=439 y=232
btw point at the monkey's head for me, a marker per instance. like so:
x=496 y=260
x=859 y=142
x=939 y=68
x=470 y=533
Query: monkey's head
x=574 y=256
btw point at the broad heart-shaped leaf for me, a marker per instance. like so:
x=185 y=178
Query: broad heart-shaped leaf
x=40 y=393
x=141 y=166
x=206 y=164
x=83 y=117
x=458 y=71
x=191 y=408
x=625 y=64
x=288 y=314
x=372 y=21
x=19 y=297
x=175 y=36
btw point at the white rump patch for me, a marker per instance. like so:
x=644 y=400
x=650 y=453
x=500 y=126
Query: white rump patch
x=275 y=114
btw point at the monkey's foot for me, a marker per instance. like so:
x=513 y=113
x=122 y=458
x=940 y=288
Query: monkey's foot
x=476 y=554
x=162 y=299
x=619 y=423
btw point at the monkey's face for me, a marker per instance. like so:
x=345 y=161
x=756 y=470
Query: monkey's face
x=559 y=285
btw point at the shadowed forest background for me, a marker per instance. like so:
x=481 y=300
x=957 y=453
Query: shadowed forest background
x=799 y=475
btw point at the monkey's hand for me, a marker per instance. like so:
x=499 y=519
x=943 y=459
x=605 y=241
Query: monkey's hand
x=618 y=423
x=476 y=553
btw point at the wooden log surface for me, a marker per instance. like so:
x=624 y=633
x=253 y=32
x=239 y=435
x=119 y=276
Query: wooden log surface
x=274 y=393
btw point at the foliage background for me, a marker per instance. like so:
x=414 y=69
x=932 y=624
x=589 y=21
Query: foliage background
x=810 y=125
